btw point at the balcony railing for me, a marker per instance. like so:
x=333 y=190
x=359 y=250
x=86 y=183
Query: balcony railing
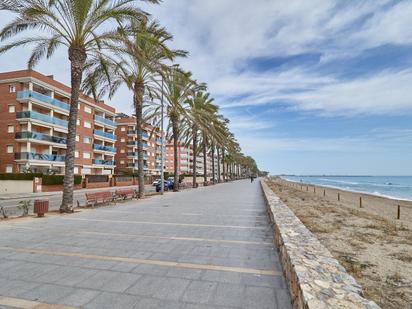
x=26 y=94
x=105 y=121
x=104 y=134
x=41 y=137
x=38 y=156
x=133 y=132
x=134 y=154
x=103 y=162
x=134 y=165
x=134 y=143
x=41 y=117
x=104 y=148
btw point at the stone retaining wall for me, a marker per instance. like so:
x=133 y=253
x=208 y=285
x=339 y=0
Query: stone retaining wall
x=315 y=279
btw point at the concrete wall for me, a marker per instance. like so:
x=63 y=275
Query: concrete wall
x=16 y=186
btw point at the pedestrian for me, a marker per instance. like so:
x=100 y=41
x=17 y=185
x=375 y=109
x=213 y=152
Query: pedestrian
x=251 y=178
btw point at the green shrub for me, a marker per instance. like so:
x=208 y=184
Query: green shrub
x=19 y=176
x=48 y=180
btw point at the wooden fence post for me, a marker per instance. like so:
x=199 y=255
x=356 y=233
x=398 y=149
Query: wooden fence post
x=338 y=196
x=399 y=212
x=360 y=201
x=324 y=192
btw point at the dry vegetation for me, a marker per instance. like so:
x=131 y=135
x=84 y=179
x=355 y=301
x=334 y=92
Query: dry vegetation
x=376 y=251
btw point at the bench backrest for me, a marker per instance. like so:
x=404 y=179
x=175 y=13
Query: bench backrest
x=125 y=192
x=98 y=195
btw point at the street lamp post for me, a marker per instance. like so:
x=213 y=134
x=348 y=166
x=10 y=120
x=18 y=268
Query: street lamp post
x=162 y=182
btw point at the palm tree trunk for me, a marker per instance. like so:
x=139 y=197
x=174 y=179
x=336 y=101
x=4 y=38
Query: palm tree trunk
x=218 y=164
x=138 y=105
x=204 y=160
x=175 y=129
x=213 y=163
x=77 y=59
x=194 y=165
x=223 y=165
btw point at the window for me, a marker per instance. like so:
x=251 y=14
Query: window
x=12 y=88
x=122 y=140
x=86 y=171
x=122 y=162
x=87 y=124
x=86 y=155
x=87 y=109
x=10 y=129
x=76 y=154
x=77 y=138
x=122 y=151
x=78 y=122
x=12 y=108
x=86 y=140
x=76 y=170
x=10 y=149
x=9 y=168
x=123 y=129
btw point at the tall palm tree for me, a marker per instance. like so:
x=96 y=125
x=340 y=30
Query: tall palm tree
x=178 y=87
x=140 y=60
x=84 y=27
x=201 y=113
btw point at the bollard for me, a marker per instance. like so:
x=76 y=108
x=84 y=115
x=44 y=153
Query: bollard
x=338 y=196
x=360 y=201
x=399 y=212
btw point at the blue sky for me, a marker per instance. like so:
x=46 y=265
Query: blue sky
x=311 y=87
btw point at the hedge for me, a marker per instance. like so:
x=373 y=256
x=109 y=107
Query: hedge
x=19 y=176
x=58 y=179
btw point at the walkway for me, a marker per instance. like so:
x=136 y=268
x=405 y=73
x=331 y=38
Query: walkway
x=204 y=248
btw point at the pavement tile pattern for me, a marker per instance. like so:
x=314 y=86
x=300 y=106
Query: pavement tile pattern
x=136 y=254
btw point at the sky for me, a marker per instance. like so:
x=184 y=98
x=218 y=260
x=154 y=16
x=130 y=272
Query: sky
x=310 y=87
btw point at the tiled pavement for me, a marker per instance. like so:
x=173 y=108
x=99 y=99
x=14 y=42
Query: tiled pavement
x=204 y=248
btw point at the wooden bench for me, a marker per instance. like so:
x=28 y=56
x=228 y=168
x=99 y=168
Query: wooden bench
x=94 y=198
x=125 y=194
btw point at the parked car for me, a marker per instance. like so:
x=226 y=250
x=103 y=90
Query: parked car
x=168 y=185
x=156 y=182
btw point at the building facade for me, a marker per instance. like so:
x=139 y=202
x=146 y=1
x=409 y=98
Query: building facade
x=34 y=111
x=126 y=145
x=185 y=160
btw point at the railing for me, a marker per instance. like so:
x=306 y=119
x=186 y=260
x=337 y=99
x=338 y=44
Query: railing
x=38 y=156
x=134 y=154
x=134 y=143
x=104 y=134
x=105 y=121
x=104 y=148
x=103 y=162
x=41 y=137
x=136 y=166
x=42 y=117
x=133 y=132
x=43 y=98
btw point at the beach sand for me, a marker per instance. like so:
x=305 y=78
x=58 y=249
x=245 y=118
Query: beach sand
x=375 y=249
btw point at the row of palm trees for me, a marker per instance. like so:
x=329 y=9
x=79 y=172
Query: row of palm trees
x=111 y=43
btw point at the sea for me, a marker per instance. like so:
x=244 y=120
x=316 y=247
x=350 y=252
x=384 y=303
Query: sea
x=397 y=187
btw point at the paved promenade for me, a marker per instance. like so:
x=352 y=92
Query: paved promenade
x=204 y=248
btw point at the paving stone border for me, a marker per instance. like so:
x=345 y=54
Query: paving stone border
x=315 y=279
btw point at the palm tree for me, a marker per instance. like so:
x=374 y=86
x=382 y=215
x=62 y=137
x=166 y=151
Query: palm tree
x=84 y=28
x=201 y=113
x=139 y=61
x=178 y=87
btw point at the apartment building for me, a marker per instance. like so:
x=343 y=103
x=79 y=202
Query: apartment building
x=34 y=111
x=126 y=145
x=185 y=160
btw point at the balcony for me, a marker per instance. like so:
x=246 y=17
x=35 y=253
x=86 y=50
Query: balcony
x=104 y=148
x=134 y=165
x=134 y=154
x=41 y=137
x=158 y=141
x=133 y=132
x=42 y=117
x=134 y=143
x=28 y=94
x=104 y=134
x=105 y=121
x=38 y=157
x=103 y=162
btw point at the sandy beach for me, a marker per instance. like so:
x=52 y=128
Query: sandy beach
x=369 y=242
